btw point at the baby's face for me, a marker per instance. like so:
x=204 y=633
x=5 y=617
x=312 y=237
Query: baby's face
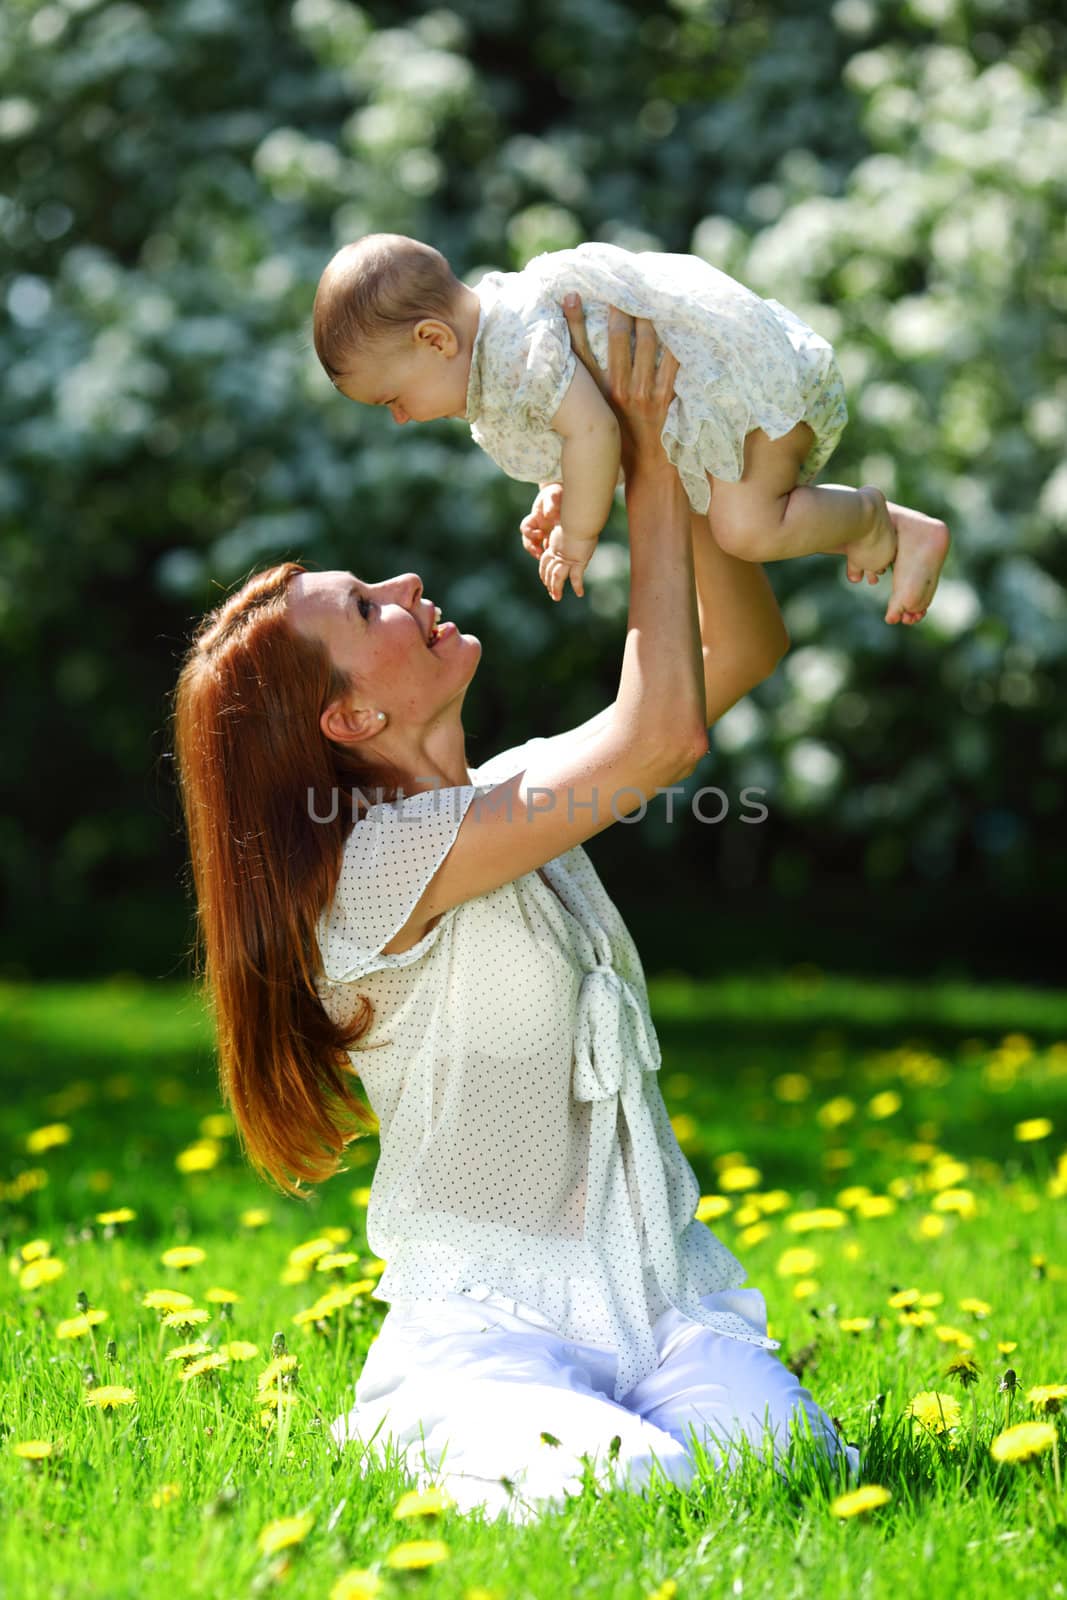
x=419 y=378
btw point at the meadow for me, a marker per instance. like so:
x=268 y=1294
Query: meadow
x=888 y=1160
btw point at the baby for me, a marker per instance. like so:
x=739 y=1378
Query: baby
x=758 y=408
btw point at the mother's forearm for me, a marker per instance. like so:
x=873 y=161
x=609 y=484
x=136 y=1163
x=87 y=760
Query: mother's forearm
x=661 y=686
x=742 y=633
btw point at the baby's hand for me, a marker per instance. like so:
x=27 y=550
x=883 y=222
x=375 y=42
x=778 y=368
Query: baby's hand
x=541 y=519
x=562 y=559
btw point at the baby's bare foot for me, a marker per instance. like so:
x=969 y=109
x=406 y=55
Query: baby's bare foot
x=876 y=547
x=922 y=545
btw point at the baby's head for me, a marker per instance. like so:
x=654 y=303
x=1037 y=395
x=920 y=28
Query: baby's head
x=393 y=326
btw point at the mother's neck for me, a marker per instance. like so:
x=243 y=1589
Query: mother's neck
x=432 y=758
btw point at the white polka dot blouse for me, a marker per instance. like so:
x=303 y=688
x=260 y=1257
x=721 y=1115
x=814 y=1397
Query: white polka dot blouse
x=512 y=1065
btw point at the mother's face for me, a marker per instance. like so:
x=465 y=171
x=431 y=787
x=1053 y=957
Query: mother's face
x=380 y=632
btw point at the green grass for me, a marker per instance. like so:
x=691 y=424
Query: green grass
x=129 y=1069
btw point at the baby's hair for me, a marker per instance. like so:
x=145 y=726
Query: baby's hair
x=379 y=284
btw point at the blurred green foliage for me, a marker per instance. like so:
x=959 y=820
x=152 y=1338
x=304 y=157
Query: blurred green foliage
x=173 y=180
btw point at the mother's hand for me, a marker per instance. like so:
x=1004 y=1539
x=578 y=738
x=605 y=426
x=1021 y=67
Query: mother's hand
x=637 y=390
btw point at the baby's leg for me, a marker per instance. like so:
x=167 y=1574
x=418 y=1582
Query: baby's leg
x=767 y=516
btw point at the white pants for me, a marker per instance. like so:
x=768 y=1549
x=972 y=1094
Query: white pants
x=464 y=1389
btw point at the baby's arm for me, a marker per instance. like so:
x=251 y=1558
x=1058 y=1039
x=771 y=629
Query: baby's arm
x=590 y=469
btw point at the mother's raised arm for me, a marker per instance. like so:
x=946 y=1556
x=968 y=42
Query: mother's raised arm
x=654 y=732
x=742 y=634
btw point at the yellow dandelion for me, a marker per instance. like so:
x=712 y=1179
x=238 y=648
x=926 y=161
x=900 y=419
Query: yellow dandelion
x=334 y=1262
x=739 y=1177
x=37 y=1273
x=1023 y=1442
x=833 y=1113
x=904 y=1298
x=276 y=1397
x=839 y=1157
x=424 y=1503
x=931 y=1226
x=77 y=1327
x=686 y=1129
x=847 y=1198
x=284 y=1531
x=961 y=1201
x=188 y=1352
x=222 y=1297
x=32 y=1250
x=964 y=1367
x=876 y=1205
x=884 y=1105
x=26 y=1182
x=199 y=1157
x=183 y=1256
x=216 y=1125
x=1047 y=1397
x=756 y=1233
x=665 y=1591
x=747 y=1214
x=712 y=1205
x=33 y=1449
x=935 y=1411
x=866 y=1498
x=917 y=1319
x=337 y=1234
x=808 y=1221
x=112 y=1219
x=239 y=1350
x=977 y=1308
x=950 y=1335
x=165 y=1494
x=109 y=1395
x=254 y=1217
x=1033 y=1128
x=793 y=1262
x=187 y=1317
x=305 y=1255
x=947 y=1173
x=308 y=1315
x=792 y=1087
x=48 y=1138
x=166 y=1300
x=205 y=1364
x=804 y=1288
x=359 y=1583
x=417 y=1553
x=855 y=1324
x=1006 y=1346
x=275 y=1367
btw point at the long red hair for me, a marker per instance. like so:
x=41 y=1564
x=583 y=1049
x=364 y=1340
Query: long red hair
x=255 y=773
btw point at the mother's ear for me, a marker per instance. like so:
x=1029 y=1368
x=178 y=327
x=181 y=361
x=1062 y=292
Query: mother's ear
x=351 y=724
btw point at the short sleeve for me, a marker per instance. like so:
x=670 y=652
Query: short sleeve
x=389 y=857
x=550 y=368
x=505 y=764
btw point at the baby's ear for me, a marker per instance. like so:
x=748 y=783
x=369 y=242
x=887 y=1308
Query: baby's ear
x=437 y=334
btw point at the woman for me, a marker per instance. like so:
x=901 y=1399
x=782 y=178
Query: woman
x=552 y=1297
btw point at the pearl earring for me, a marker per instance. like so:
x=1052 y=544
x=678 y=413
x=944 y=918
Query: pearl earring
x=381 y=716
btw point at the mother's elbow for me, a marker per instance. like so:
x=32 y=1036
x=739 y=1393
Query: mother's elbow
x=770 y=655
x=693 y=754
